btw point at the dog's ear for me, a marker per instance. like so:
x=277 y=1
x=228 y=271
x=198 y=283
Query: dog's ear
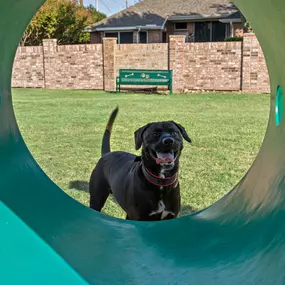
x=183 y=132
x=139 y=136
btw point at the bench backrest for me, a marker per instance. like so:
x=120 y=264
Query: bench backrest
x=145 y=74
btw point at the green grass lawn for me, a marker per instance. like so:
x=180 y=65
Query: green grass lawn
x=63 y=130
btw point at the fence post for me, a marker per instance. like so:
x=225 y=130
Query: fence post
x=49 y=54
x=177 y=61
x=109 y=61
x=255 y=76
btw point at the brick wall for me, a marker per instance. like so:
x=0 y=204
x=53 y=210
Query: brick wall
x=73 y=66
x=205 y=66
x=29 y=68
x=212 y=66
x=64 y=67
x=142 y=56
x=228 y=66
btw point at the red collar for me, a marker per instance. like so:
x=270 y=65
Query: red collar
x=159 y=181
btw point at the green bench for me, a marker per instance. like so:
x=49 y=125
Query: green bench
x=144 y=77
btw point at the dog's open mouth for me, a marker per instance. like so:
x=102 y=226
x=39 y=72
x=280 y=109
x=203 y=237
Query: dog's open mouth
x=164 y=158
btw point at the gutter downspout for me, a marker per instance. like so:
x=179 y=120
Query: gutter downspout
x=232 y=28
x=162 y=29
x=164 y=23
x=138 y=35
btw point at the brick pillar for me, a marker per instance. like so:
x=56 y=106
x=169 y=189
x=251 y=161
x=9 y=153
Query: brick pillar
x=246 y=62
x=49 y=51
x=109 y=58
x=254 y=70
x=177 y=61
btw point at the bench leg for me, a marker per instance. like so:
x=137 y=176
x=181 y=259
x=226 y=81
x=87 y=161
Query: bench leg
x=170 y=88
x=118 y=88
x=170 y=82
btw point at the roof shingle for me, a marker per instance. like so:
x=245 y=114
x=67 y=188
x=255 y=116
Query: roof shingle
x=154 y=12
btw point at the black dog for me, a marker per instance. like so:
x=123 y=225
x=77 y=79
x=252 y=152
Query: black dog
x=146 y=187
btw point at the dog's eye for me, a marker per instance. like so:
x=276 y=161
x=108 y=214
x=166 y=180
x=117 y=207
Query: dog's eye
x=155 y=134
x=174 y=133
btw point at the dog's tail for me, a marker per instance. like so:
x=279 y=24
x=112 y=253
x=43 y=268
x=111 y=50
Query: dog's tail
x=106 y=138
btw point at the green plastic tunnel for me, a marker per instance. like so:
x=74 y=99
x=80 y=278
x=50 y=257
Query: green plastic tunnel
x=48 y=238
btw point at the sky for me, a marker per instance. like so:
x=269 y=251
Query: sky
x=110 y=7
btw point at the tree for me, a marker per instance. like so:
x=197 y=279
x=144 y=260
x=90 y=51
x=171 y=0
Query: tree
x=248 y=28
x=63 y=20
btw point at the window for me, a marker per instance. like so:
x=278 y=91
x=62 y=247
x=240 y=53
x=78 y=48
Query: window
x=229 y=31
x=210 y=32
x=111 y=35
x=142 y=37
x=181 y=26
x=164 y=37
x=123 y=37
x=202 y=32
x=218 y=32
x=126 y=38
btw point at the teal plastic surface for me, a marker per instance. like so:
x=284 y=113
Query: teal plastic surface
x=47 y=237
x=279 y=103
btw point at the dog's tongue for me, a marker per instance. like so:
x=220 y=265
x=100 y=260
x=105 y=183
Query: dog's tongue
x=164 y=157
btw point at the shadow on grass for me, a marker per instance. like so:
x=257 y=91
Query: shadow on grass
x=146 y=91
x=79 y=185
x=186 y=210
x=84 y=186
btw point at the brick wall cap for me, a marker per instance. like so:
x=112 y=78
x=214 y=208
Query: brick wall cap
x=50 y=40
x=252 y=35
x=177 y=36
x=109 y=39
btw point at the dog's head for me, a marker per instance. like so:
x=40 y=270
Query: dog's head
x=162 y=142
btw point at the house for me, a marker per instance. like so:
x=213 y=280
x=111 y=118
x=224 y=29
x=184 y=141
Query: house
x=152 y=21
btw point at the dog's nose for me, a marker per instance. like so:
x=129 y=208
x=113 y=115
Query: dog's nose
x=168 y=141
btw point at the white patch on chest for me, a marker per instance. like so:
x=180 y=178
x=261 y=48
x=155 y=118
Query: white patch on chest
x=161 y=175
x=160 y=206
x=161 y=210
